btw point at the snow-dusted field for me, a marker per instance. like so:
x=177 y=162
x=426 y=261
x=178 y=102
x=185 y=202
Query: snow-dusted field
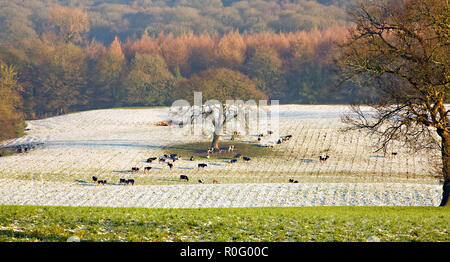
x=107 y=143
x=220 y=195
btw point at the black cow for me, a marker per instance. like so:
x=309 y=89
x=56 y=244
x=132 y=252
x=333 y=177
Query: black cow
x=246 y=158
x=323 y=159
x=94 y=179
x=101 y=182
x=147 y=168
x=192 y=158
x=183 y=177
x=152 y=158
x=122 y=181
x=135 y=169
x=200 y=181
x=130 y=181
x=286 y=138
x=202 y=165
x=232 y=161
x=237 y=156
x=162 y=160
x=170 y=165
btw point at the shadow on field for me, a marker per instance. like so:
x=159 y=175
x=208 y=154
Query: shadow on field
x=83 y=183
x=102 y=143
x=21 y=235
x=168 y=180
x=185 y=168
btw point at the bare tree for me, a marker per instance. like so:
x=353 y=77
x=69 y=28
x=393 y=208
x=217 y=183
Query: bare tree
x=71 y=22
x=217 y=119
x=401 y=47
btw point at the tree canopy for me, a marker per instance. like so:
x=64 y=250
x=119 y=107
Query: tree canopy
x=402 y=49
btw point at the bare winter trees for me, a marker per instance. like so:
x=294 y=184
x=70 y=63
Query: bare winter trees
x=402 y=48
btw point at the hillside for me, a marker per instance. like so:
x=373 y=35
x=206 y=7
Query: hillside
x=128 y=18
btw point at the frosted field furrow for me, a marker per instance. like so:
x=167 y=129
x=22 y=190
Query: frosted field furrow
x=108 y=143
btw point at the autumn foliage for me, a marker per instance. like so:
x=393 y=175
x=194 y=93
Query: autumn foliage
x=63 y=68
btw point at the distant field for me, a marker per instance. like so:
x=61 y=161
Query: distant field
x=108 y=143
x=31 y=223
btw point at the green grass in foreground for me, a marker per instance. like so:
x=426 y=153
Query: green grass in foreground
x=37 y=223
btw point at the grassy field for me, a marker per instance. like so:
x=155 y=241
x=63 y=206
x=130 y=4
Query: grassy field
x=199 y=150
x=39 y=223
x=6 y=152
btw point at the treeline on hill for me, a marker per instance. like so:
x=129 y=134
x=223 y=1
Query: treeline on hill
x=21 y=19
x=59 y=76
x=54 y=63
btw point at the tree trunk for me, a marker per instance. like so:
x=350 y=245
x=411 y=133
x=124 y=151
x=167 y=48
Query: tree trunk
x=215 y=142
x=445 y=166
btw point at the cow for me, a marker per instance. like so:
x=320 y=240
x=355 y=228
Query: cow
x=286 y=138
x=94 y=179
x=202 y=165
x=184 y=177
x=161 y=160
x=135 y=169
x=237 y=156
x=200 y=181
x=246 y=158
x=192 y=158
x=130 y=181
x=215 y=181
x=170 y=165
x=232 y=161
x=394 y=154
x=101 y=182
x=323 y=159
x=147 y=168
x=151 y=159
x=122 y=181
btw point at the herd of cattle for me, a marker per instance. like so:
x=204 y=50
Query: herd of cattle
x=170 y=160
x=23 y=148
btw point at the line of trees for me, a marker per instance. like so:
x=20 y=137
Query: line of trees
x=52 y=64
x=57 y=75
x=21 y=19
